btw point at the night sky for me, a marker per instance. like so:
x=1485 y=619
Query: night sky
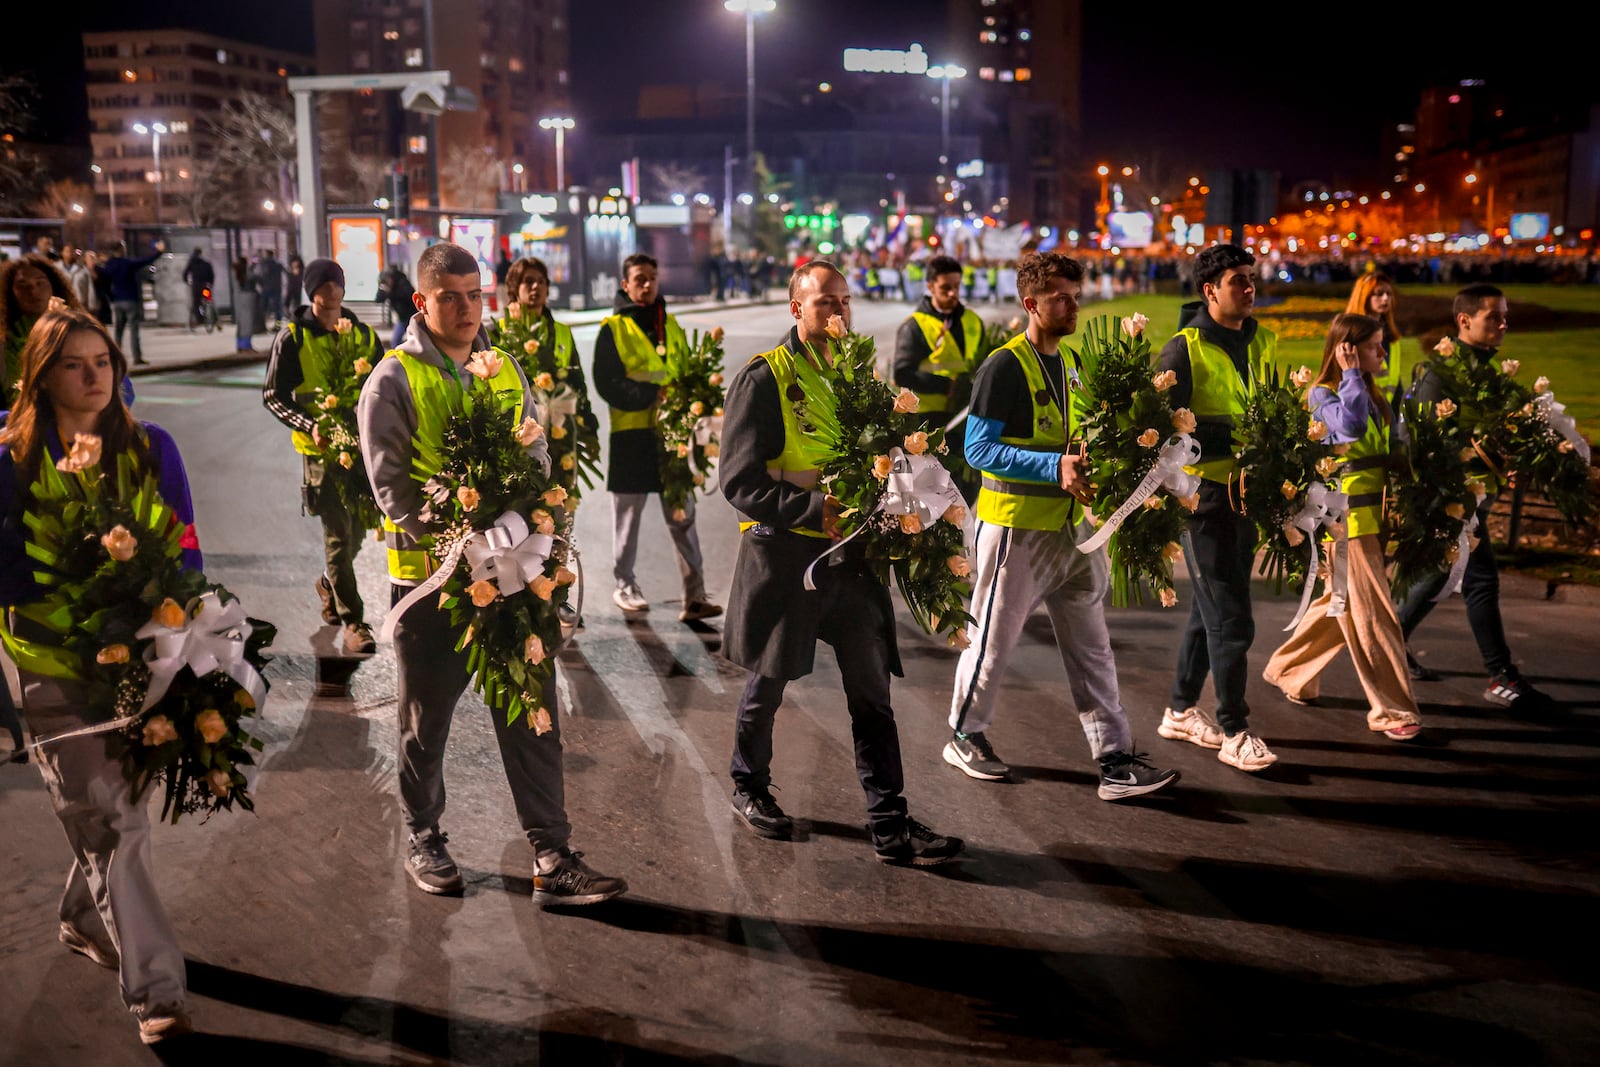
x=1295 y=90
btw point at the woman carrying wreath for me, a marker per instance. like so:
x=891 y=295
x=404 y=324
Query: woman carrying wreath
x=71 y=373
x=1347 y=398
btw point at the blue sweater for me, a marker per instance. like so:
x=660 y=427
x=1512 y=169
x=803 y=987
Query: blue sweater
x=16 y=570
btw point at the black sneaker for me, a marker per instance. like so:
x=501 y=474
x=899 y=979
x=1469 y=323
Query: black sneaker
x=573 y=882
x=1127 y=774
x=757 y=808
x=1418 y=672
x=429 y=863
x=916 y=846
x=325 y=594
x=1517 y=694
x=973 y=756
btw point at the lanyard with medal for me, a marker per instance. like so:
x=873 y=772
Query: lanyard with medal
x=1048 y=393
x=661 y=328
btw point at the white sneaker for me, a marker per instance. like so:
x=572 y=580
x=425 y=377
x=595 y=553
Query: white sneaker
x=1192 y=725
x=629 y=598
x=1247 y=752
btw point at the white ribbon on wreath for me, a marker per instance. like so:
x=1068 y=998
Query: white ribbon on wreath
x=917 y=485
x=1324 y=508
x=1180 y=451
x=507 y=554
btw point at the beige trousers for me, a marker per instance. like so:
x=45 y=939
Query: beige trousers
x=1369 y=628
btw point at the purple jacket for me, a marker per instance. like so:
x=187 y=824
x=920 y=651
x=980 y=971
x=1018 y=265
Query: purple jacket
x=1347 y=411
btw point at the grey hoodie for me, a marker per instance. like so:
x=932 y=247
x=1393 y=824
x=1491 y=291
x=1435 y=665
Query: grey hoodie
x=386 y=419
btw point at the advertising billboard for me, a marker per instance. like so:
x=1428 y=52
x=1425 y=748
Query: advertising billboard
x=356 y=244
x=1530 y=226
x=1131 y=229
x=477 y=237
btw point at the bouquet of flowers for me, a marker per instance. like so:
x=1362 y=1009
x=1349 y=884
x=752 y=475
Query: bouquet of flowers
x=1137 y=447
x=1525 y=430
x=333 y=407
x=873 y=453
x=572 y=433
x=169 y=660
x=1431 y=500
x=689 y=416
x=1283 y=466
x=502 y=573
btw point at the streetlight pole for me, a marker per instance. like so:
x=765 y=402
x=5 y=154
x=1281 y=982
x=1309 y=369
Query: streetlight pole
x=111 y=187
x=155 y=129
x=750 y=9
x=561 y=125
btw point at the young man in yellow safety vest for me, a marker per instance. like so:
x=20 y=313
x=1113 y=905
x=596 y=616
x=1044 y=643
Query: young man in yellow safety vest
x=935 y=348
x=628 y=374
x=1216 y=356
x=1025 y=547
x=295 y=371
x=774 y=623
x=404 y=410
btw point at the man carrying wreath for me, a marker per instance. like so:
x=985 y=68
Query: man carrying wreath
x=774 y=623
x=629 y=374
x=403 y=414
x=294 y=374
x=1026 y=544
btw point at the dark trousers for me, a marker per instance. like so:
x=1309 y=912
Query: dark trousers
x=341 y=540
x=1480 y=590
x=432 y=678
x=1219 y=548
x=125 y=314
x=851 y=624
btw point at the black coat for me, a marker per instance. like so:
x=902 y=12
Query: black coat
x=634 y=462
x=773 y=624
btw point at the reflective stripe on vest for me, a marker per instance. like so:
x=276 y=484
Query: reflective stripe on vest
x=1029 y=505
x=945 y=358
x=1219 y=394
x=641 y=363
x=323 y=348
x=791 y=465
x=1362 y=476
x=435 y=394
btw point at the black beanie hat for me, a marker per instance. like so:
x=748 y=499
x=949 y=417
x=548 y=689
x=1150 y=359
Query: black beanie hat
x=321 y=271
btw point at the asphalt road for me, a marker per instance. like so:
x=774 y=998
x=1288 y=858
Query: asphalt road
x=1363 y=900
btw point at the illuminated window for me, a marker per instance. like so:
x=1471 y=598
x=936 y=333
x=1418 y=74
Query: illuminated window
x=1024 y=35
x=413 y=57
x=391 y=35
x=1024 y=74
x=986 y=73
x=130 y=76
x=417 y=145
x=514 y=64
x=178 y=127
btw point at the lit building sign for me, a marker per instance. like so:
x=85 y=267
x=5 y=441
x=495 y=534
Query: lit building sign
x=970 y=169
x=886 y=60
x=538 y=204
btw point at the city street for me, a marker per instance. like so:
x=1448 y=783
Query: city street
x=1361 y=901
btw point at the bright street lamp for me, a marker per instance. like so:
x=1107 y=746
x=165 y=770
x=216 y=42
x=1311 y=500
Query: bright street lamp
x=750 y=9
x=561 y=125
x=155 y=130
x=111 y=186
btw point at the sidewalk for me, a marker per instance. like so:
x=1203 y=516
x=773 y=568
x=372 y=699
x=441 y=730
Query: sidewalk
x=172 y=348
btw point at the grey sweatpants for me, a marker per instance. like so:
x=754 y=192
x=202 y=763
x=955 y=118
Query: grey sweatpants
x=1014 y=572
x=432 y=677
x=627 y=510
x=111 y=888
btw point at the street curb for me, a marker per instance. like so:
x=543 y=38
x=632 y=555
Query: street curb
x=241 y=359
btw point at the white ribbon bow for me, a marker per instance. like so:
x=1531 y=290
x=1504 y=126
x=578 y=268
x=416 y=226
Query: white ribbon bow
x=1458 y=569
x=1556 y=417
x=1324 y=507
x=707 y=428
x=507 y=554
x=917 y=485
x=1180 y=451
x=212 y=640
x=561 y=406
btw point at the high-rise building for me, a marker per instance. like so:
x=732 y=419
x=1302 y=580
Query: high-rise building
x=513 y=55
x=173 y=83
x=1025 y=71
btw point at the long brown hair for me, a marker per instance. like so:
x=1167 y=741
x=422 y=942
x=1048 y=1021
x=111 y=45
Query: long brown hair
x=1356 y=330
x=1361 y=296
x=10 y=310
x=32 y=414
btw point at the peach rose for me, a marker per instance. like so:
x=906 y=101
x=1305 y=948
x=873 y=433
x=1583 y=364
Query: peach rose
x=221 y=783
x=1172 y=552
x=1190 y=502
x=1327 y=465
x=120 y=544
x=960 y=640
x=1445 y=347
x=955 y=515
x=835 y=327
x=482 y=592
x=916 y=443
x=1134 y=324
x=1169 y=597
x=158 y=730
x=540 y=722
x=1155 y=502
x=1455 y=511
x=557 y=432
x=362 y=366
x=544 y=382
x=713 y=450
x=543 y=522
x=484 y=365
x=1564 y=447
x=683 y=451
x=513 y=310
x=554 y=496
x=468 y=497
x=542 y=587
x=1149 y=439
x=346 y=460
x=85 y=452
x=329 y=402
x=170 y=614
x=1317 y=430
x=697 y=409
x=564 y=576
x=211 y=726
x=1183 y=420
x=528 y=431
x=1289 y=490
x=1541 y=384
x=1509 y=367
x=112 y=654
x=244 y=700
x=680 y=515
x=881 y=468
x=343 y=326
x=567 y=462
x=717 y=335
x=959 y=566
x=715 y=379
x=906 y=402
x=1165 y=380
x=1444 y=409
x=533 y=649
x=910 y=524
